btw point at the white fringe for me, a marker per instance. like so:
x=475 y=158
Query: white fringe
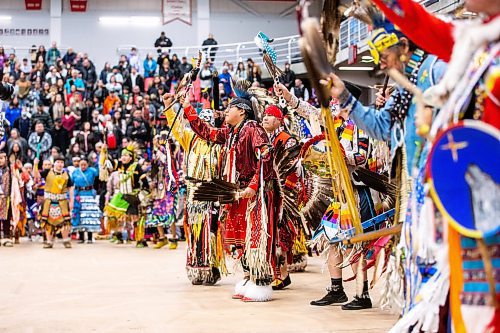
x=240 y=287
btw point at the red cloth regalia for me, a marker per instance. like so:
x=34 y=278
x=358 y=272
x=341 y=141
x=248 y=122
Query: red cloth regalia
x=250 y=223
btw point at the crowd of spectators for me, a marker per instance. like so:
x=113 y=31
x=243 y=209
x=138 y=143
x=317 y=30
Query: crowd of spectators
x=61 y=101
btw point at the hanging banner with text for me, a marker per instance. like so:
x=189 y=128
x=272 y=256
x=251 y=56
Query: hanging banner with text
x=176 y=10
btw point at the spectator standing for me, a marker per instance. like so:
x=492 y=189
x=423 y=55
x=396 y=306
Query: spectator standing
x=135 y=79
x=13 y=111
x=109 y=102
x=86 y=139
x=57 y=108
x=41 y=117
x=241 y=72
x=89 y=75
x=167 y=73
x=3 y=59
x=25 y=66
x=105 y=72
x=23 y=88
x=206 y=78
x=69 y=121
x=52 y=76
x=23 y=124
x=116 y=73
x=225 y=79
x=40 y=142
x=210 y=42
x=300 y=91
x=150 y=66
x=69 y=57
x=74 y=80
x=60 y=136
x=15 y=136
x=185 y=67
x=114 y=86
x=134 y=60
x=163 y=41
x=41 y=53
x=52 y=55
x=288 y=77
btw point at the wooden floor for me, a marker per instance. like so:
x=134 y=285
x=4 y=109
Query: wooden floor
x=104 y=287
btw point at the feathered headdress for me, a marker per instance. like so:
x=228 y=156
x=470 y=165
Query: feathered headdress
x=132 y=149
x=257 y=97
x=384 y=35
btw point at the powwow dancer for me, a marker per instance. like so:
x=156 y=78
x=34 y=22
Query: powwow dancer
x=5 y=189
x=355 y=145
x=86 y=215
x=470 y=89
x=125 y=203
x=165 y=181
x=287 y=231
x=56 y=208
x=251 y=220
x=205 y=256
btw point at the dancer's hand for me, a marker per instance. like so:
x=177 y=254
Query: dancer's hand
x=281 y=90
x=335 y=84
x=381 y=100
x=247 y=193
x=167 y=98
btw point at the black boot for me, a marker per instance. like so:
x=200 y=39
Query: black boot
x=90 y=239
x=360 y=302
x=81 y=237
x=214 y=278
x=335 y=294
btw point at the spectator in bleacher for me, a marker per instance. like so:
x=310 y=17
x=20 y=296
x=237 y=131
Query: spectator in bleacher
x=162 y=55
x=150 y=66
x=16 y=137
x=109 y=102
x=46 y=97
x=32 y=51
x=135 y=79
x=13 y=110
x=23 y=86
x=231 y=69
x=114 y=86
x=39 y=142
x=62 y=68
x=52 y=55
x=300 y=91
x=133 y=59
x=163 y=41
x=74 y=80
x=184 y=67
x=69 y=120
x=100 y=91
x=86 y=138
x=60 y=136
x=288 y=78
x=105 y=72
x=3 y=59
x=138 y=131
x=119 y=123
x=254 y=73
x=116 y=73
x=206 y=78
x=41 y=117
x=124 y=67
x=225 y=79
x=73 y=153
x=52 y=76
x=23 y=124
x=69 y=57
x=41 y=53
x=89 y=75
x=241 y=72
x=174 y=64
x=25 y=66
x=210 y=42
x=167 y=73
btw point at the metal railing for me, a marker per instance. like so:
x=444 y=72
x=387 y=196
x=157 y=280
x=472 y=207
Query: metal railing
x=287 y=50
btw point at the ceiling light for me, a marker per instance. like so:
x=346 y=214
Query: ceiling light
x=135 y=20
x=5 y=18
x=354 y=68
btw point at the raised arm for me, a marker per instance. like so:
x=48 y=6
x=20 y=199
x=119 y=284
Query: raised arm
x=182 y=134
x=423 y=28
x=201 y=128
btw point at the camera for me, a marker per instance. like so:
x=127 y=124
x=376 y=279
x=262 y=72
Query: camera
x=6 y=91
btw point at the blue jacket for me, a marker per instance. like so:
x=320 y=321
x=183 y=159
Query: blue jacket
x=12 y=114
x=149 y=69
x=227 y=82
x=377 y=123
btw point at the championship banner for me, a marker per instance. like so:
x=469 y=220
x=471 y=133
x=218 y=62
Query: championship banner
x=176 y=10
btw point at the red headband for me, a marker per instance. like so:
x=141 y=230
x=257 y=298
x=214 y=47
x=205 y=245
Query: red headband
x=273 y=110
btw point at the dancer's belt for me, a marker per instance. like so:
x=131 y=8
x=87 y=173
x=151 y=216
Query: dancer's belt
x=84 y=188
x=55 y=197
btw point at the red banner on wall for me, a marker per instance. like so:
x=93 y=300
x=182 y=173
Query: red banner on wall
x=176 y=10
